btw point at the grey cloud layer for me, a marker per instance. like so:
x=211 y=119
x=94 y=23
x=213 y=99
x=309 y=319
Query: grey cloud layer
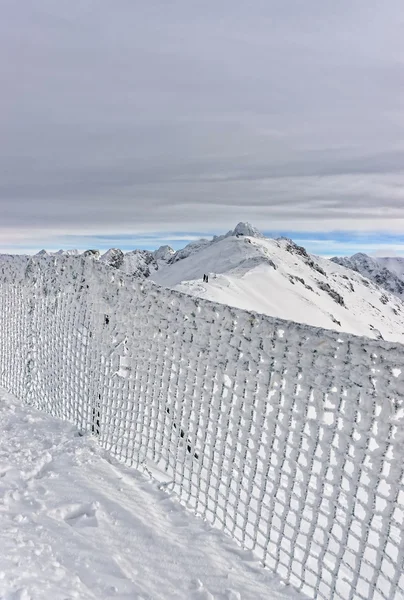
x=133 y=116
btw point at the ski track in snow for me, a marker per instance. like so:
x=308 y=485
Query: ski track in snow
x=74 y=523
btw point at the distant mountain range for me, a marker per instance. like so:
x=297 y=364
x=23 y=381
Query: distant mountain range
x=388 y=273
x=360 y=294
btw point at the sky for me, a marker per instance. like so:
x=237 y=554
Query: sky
x=134 y=124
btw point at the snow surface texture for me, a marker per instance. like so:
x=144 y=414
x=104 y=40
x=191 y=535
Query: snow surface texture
x=288 y=437
x=280 y=279
x=74 y=523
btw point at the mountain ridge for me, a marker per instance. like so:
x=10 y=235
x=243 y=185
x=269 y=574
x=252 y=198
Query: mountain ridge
x=276 y=277
x=280 y=278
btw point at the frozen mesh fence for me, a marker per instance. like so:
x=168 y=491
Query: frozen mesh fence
x=289 y=437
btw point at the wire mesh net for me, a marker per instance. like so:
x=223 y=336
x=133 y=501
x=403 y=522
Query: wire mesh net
x=288 y=437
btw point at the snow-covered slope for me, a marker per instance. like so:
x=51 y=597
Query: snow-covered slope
x=388 y=273
x=76 y=524
x=281 y=279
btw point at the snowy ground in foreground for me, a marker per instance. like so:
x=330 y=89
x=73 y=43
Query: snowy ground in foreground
x=76 y=524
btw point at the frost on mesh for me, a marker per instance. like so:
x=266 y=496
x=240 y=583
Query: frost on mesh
x=288 y=437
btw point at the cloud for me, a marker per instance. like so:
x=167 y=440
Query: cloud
x=139 y=117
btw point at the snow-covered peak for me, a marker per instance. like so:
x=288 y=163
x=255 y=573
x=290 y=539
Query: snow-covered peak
x=67 y=252
x=139 y=263
x=241 y=230
x=164 y=253
x=360 y=260
x=376 y=270
x=58 y=253
x=113 y=257
x=246 y=229
x=93 y=253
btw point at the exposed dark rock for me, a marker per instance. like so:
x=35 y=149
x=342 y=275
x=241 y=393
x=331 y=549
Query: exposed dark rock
x=334 y=295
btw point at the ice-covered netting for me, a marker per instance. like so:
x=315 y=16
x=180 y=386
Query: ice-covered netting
x=290 y=438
